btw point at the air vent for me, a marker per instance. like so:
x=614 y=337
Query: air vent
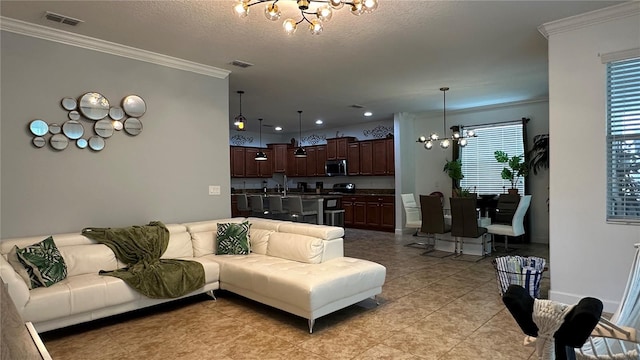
x=63 y=19
x=356 y=106
x=242 y=64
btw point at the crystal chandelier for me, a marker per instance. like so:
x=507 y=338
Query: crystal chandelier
x=323 y=11
x=240 y=121
x=457 y=136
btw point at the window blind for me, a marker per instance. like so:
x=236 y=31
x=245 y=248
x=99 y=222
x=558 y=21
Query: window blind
x=481 y=170
x=623 y=141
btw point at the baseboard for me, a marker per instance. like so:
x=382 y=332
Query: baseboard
x=567 y=298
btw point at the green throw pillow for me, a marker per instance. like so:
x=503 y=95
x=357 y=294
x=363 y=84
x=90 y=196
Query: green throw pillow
x=233 y=239
x=45 y=261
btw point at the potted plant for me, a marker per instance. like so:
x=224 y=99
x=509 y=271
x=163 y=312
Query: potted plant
x=516 y=169
x=453 y=168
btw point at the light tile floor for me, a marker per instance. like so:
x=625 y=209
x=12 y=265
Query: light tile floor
x=430 y=308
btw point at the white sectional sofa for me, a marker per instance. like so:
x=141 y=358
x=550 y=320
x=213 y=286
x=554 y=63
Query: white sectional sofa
x=298 y=268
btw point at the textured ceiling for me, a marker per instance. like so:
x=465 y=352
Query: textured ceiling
x=393 y=60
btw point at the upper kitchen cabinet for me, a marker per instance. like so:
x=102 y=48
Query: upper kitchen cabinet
x=237 y=161
x=337 y=148
x=254 y=168
x=383 y=163
x=279 y=157
x=353 y=158
x=316 y=158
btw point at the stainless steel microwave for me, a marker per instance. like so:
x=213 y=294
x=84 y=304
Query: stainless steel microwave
x=336 y=167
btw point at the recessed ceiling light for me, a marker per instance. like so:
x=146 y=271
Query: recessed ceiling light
x=319 y=122
x=278 y=128
x=368 y=113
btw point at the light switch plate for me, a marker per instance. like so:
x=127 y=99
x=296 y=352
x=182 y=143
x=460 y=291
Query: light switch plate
x=214 y=190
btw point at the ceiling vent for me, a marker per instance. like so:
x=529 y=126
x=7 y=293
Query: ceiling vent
x=63 y=19
x=356 y=106
x=242 y=64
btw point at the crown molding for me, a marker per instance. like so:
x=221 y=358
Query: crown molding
x=590 y=18
x=86 y=42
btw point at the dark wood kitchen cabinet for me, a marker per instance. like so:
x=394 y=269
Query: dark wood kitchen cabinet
x=254 y=168
x=369 y=212
x=237 y=161
x=353 y=159
x=337 y=148
x=279 y=157
x=366 y=158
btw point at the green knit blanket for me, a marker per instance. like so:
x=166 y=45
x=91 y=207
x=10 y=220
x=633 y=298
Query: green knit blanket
x=140 y=247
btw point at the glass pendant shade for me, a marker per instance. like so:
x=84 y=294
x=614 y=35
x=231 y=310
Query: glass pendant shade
x=428 y=145
x=324 y=13
x=271 y=12
x=357 y=8
x=241 y=9
x=336 y=4
x=289 y=26
x=315 y=27
x=445 y=143
x=462 y=142
x=370 y=5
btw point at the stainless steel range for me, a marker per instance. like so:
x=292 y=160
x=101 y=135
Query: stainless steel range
x=343 y=188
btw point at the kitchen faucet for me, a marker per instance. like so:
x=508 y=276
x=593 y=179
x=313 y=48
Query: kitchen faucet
x=284 y=188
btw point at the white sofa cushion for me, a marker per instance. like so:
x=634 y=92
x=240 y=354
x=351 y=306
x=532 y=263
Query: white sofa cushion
x=88 y=259
x=179 y=243
x=323 y=232
x=259 y=239
x=295 y=247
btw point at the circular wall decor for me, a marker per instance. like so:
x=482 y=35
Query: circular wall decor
x=39 y=141
x=117 y=125
x=104 y=128
x=69 y=103
x=81 y=143
x=116 y=113
x=94 y=106
x=73 y=129
x=96 y=143
x=54 y=128
x=59 y=142
x=74 y=115
x=38 y=127
x=134 y=106
x=133 y=126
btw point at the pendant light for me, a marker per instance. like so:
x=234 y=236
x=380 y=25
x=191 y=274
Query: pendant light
x=240 y=121
x=456 y=138
x=300 y=152
x=260 y=155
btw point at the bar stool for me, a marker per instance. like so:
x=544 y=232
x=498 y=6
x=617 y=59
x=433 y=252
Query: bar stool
x=298 y=213
x=275 y=207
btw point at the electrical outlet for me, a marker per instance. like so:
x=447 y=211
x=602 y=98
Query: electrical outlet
x=214 y=190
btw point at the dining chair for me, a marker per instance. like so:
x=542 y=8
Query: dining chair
x=515 y=228
x=464 y=224
x=506 y=208
x=413 y=217
x=298 y=213
x=276 y=211
x=257 y=206
x=433 y=223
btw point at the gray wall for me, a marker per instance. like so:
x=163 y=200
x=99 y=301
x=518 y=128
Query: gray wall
x=161 y=174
